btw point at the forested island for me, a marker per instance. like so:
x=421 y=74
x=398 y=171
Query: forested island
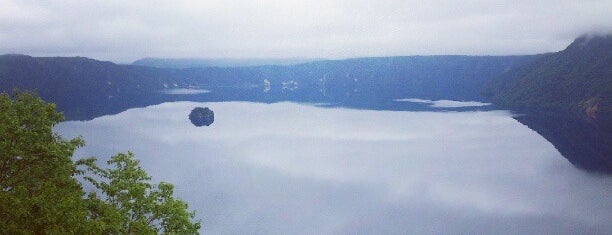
x=202 y=116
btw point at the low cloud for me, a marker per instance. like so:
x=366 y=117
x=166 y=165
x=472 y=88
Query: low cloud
x=127 y=30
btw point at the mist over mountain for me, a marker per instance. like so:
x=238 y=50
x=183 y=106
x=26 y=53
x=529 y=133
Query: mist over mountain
x=184 y=63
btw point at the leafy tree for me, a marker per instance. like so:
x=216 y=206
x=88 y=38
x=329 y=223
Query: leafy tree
x=132 y=205
x=37 y=191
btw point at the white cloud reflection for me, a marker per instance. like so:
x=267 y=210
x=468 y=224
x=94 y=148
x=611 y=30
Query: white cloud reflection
x=296 y=169
x=445 y=103
x=183 y=91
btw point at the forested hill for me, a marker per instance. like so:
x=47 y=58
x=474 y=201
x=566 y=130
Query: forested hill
x=82 y=88
x=578 y=78
x=60 y=76
x=85 y=88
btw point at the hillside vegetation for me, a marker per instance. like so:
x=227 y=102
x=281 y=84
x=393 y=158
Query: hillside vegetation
x=578 y=79
x=85 y=88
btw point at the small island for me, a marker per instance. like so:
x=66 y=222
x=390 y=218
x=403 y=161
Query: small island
x=202 y=116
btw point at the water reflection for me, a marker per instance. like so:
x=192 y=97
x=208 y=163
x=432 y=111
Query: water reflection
x=584 y=142
x=185 y=91
x=298 y=169
x=444 y=103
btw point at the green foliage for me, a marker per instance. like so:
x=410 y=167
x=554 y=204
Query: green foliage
x=39 y=193
x=136 y=205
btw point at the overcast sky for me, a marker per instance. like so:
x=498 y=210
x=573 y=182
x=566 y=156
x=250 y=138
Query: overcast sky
x=123 y=31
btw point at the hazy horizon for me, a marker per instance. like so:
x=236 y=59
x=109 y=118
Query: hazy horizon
x=123 y=32
x=251 y=59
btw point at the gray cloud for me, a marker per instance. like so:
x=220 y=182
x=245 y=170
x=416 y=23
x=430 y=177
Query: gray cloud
x=127 y=30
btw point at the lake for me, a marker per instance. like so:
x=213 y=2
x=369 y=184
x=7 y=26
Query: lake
x=289 y=168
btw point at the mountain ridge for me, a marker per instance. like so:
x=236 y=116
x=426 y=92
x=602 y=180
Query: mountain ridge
x=576 y=79
x=70 y=81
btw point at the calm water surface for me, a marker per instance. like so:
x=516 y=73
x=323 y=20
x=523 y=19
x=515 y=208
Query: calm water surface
x=289 y=168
